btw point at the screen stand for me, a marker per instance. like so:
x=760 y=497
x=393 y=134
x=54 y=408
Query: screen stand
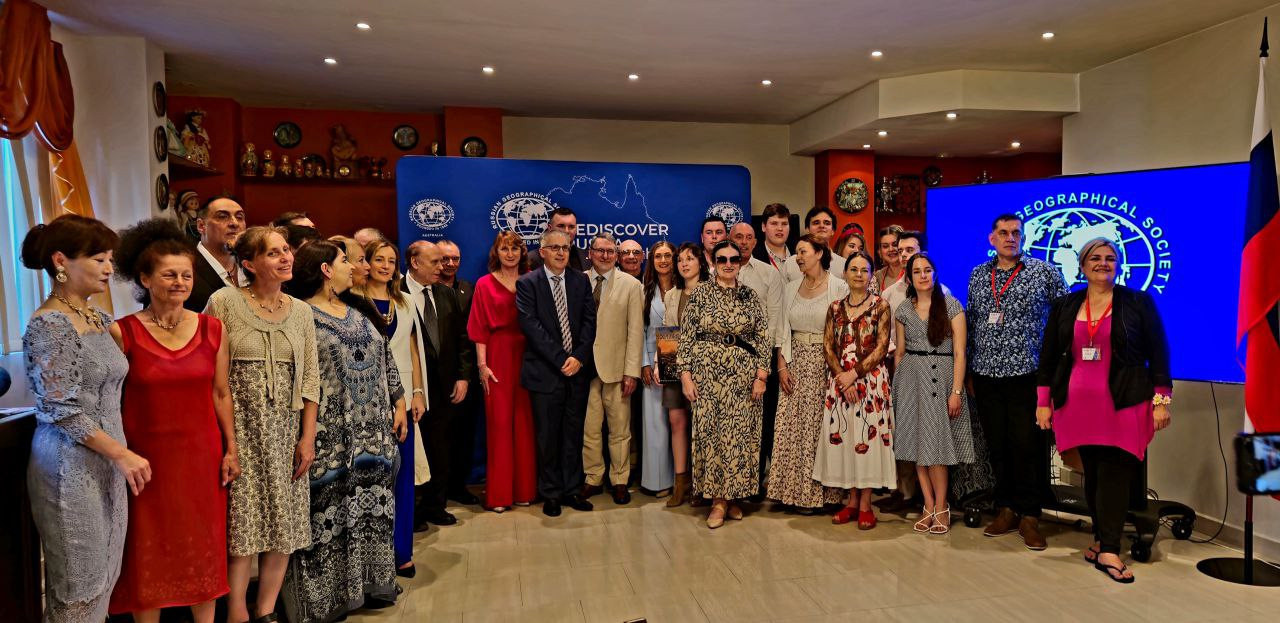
x=1242 y=570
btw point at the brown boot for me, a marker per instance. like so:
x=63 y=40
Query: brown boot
x=1029 y=528
x=1006 y=521
x=679 y=491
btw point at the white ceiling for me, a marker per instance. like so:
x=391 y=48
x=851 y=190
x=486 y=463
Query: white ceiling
x=699 y=60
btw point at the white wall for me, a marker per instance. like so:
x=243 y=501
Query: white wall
x=776 y=175
x=1187 y=102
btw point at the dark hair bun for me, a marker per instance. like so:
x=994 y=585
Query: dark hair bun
x=142 y=245
x=31 y=247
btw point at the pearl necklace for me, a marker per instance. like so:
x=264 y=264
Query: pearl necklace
x=279 y=301
x=167 y=327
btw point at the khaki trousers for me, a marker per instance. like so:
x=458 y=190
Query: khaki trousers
x=604 y=400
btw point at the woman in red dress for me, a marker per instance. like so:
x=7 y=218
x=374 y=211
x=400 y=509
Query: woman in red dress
x=177 y=412
x=511 y=468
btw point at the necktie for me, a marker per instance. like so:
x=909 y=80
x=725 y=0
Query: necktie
x=562 y=312
x=429 y=316
x=595 y=293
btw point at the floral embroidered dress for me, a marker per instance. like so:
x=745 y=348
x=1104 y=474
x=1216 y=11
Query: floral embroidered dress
x=856 y=447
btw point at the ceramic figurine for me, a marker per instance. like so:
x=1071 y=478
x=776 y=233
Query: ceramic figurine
x=195 y=139
x=268 y=165
x=186 y=206
x=299 y=168
x=286 y=167
x=249 y=161
x=309 y=169
x=175 y=145
x=343 y=149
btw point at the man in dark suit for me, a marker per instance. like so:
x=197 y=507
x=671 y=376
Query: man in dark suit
x=558 y=319
x=565 y=220
x=220 y=221
x=450 y=363
x=473 y=406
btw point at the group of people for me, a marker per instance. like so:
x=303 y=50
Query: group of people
x=307 y=403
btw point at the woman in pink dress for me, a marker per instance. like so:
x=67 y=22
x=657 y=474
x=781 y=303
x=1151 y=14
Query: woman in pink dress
x=1104 y=389
x=511 y=468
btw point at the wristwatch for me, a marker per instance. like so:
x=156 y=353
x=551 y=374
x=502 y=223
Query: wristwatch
x=957 y=391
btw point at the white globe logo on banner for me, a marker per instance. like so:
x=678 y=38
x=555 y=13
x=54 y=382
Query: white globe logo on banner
x=1058 y=236
x=726 y=210
x=431 y=214
x=526 y=214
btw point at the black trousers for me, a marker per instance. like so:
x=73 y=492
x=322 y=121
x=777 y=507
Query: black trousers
x=1019 y=449
x=558 y=418
x=448 y=438
x=1113 y=484
x=771 y=388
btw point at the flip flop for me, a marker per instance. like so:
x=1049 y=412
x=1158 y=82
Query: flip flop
x=1091 y=555
x=1107 y=569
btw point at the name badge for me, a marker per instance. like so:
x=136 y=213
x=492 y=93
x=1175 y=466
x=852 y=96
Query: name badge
x=995 y=317
x=1090 y=353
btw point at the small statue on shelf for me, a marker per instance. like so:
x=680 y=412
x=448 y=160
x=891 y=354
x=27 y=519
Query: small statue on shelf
x=375 y=167
x=185 y=209
x=195 y=139
x=343 y=149
x=249 y=161
x=268 y=164
x=309 y=169
x=174 y=143
x=286 y=167
x=299 y=168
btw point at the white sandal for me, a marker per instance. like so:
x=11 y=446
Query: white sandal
x=926 y=521
x=939 y=526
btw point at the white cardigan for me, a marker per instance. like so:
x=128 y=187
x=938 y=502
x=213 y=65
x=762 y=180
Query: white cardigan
x=407 y=319
x=836 y=290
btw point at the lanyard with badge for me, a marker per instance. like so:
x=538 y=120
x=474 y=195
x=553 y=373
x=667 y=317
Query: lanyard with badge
x=997 y=316
x=1090 y=352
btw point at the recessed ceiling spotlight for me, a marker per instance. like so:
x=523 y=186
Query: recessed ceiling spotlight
x=952 y=115
x=330 y=61
x=363 y=25
x=876 y=54
x=487 y=70
x=1046 y=35
x=866 y=145
x=633 y=77
x=767 y=83
x=1015 y=144
x=882 y=133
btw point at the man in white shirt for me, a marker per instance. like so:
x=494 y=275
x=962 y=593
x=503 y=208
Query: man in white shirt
x=820 y=221
x=220 y=222
x=776 y=226
x=619 y=343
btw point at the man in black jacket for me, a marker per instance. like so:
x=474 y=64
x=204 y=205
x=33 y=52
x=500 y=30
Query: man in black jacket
x=450 y=359
x=220 y=222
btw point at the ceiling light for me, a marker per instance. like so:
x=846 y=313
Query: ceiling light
x=882 y=133
x=1046 y=36
x=633 y=77
x=487 y=70
x=767 y=83
x=1015 y=144
x=952 y=115
x=362 y=25
x=876 y=54
x=330 y=61
x=866 y=145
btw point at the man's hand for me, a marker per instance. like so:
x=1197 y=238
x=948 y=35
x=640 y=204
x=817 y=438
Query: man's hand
x=459 y=392
x=628 y=386
x=571 y=366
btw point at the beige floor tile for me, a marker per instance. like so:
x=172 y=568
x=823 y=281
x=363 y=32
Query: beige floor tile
x=563 y=585
x=616 y=546
x=463 y=595
x=859 y=591
x=675 y=606
x=562 y=612
x=489 y=559
x=757 y=565
x=765 y=601
x=670 y=577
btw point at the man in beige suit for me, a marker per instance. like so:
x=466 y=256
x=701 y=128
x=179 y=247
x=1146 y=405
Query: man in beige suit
x=619 y=301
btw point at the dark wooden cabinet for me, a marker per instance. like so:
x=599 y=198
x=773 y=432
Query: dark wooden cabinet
x=20 y=599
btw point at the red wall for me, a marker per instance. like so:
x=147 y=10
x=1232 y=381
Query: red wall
x=222 y=123
x=461 y=123
x=833 y=167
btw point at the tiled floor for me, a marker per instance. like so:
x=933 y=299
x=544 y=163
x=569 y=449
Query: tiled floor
x=643 y=560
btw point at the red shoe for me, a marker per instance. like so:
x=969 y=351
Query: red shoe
x=844 y=516
x=866 y=520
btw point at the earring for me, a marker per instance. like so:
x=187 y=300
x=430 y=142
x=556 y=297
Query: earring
x=61 y=277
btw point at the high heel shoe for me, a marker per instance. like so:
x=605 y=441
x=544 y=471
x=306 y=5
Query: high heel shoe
x=925 y=523
x=715 y=518
x=866 y=520
x=844 y=516
x=734 y=512
x=941 y=524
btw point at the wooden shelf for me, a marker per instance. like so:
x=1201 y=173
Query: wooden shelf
x=180 y=167
x=281 y=180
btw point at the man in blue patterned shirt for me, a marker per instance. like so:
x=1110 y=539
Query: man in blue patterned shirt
x=1009 y=297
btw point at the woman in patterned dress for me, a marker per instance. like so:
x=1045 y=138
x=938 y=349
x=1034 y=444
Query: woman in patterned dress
x=928 y=389
x=79 y=467
x=802 y=377
x=691 y=270
x=723 y=359
x=360 y=422
x=855 y=450
x=275 y=387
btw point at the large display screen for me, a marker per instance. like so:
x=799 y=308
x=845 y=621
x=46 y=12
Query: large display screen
x=1180 y=233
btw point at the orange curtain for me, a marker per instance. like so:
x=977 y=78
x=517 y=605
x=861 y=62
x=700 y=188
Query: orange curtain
x=35 y=86
x=69 y=192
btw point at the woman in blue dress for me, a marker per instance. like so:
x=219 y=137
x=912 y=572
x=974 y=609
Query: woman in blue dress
x=657 y=469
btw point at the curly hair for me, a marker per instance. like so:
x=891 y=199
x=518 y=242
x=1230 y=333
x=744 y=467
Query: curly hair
x=141 y=248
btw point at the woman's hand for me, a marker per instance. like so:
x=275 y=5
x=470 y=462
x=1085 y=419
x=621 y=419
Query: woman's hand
x=1162 y=417
x=303 y=456
x=954 y=405
x=400 y=424
x=486 y=377
x=230 y=467
x=136 y=470
x=418 y=406
x=689 y=388
x=757 y=389
x=646 y=376
x=786 y=381
x=1044 y=418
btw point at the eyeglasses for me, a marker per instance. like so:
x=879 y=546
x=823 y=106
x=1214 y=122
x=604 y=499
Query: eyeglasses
x=632 y=252
x=727 y=259
x=556 y=248
x=604 y=252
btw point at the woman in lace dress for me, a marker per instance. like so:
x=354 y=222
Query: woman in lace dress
x=274 y=392
x=360 y=423
x=79 y=467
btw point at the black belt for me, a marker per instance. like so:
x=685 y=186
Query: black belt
x=927 y=353
x=726 y=339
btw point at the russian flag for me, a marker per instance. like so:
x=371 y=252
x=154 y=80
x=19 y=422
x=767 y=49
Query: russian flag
x=1259 y=316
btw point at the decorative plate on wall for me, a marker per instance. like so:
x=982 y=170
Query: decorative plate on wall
x=474 y=147
x=159 y=101
x=851 y=195
x=932 y=176
x=162 y=192
x=404 y=137
x=160 y=143
x=287 y=134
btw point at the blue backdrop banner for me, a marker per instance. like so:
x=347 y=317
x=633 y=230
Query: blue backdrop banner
x=468 y=200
